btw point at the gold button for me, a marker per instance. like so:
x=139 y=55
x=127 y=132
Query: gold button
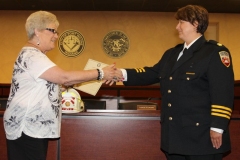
x=188 y=78
x=170 y=118
x=197 y=124
x=170 y=78
x=169 y=91
x=169 y=104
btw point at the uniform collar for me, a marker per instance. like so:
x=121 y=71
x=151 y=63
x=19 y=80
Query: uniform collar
x=185 y=45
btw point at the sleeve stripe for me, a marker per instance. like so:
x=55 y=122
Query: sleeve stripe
x=221 y=111
x=140 y=70
x=136 y=70
x=143 y=70
x=221 y=115
x=222 y=107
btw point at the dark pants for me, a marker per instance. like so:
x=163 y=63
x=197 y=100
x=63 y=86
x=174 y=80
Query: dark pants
x=195 y=157
x=27 y=148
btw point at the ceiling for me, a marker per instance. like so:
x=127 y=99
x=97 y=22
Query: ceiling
x=213 y=6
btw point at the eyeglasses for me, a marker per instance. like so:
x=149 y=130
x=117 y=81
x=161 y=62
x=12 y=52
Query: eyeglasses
x=52 y=30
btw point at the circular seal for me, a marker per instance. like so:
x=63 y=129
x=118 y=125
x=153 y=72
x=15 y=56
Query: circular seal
x=116 y=44
x=71 y=43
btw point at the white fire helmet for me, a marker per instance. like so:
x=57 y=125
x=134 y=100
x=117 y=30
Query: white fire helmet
x=71 y=101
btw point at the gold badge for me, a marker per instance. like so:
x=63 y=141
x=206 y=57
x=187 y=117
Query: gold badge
x=71 y=43
x=115 y=44
x=225 y=58
x=67 y=104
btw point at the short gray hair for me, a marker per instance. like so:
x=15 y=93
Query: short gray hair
x=39 y=20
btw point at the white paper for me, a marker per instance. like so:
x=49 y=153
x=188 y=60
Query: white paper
x=91 y=87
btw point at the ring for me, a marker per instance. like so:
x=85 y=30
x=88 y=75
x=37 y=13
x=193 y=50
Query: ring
x=115 y=78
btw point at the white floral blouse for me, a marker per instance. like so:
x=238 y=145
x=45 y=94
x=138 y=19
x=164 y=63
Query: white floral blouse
x=34 y=104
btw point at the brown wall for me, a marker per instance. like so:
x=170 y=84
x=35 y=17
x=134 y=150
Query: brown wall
x=150 y=34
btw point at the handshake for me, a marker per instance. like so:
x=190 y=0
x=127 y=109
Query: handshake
x=112 y=74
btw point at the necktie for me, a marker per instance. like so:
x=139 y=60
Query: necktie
x=182 y=53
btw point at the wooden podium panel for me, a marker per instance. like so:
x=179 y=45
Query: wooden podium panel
x=118 y=137
x=154 y=92
x=122 y=135
x=3 y=149
x=235 y=140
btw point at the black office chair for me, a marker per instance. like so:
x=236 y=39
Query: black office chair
x=134 y=105
x=94 y=104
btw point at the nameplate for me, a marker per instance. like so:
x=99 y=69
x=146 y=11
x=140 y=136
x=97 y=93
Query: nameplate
x=146 y=107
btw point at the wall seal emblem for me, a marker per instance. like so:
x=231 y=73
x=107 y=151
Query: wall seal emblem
x=115 y=44
x=71 y=43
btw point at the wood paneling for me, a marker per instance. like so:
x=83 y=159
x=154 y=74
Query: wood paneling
x=4 y=90
x=235 y=139
x=140 y=93
x=117 y=135
x=3 y=149
x=118 y=93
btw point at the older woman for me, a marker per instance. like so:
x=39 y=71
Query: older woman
x=33 y=112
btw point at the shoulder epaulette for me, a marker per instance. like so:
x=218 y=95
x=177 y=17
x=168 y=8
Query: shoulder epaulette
x=215 y=42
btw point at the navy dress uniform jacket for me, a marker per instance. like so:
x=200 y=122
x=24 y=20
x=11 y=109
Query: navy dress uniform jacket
x=197 y=94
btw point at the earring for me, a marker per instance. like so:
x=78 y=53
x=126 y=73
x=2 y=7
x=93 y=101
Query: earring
x=38 y=42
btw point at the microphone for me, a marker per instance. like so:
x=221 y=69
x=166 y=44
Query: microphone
x=149 y=99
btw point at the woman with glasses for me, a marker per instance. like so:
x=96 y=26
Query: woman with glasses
x=33 y=112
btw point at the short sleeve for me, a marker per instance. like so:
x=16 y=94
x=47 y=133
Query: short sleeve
x=35 y=62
